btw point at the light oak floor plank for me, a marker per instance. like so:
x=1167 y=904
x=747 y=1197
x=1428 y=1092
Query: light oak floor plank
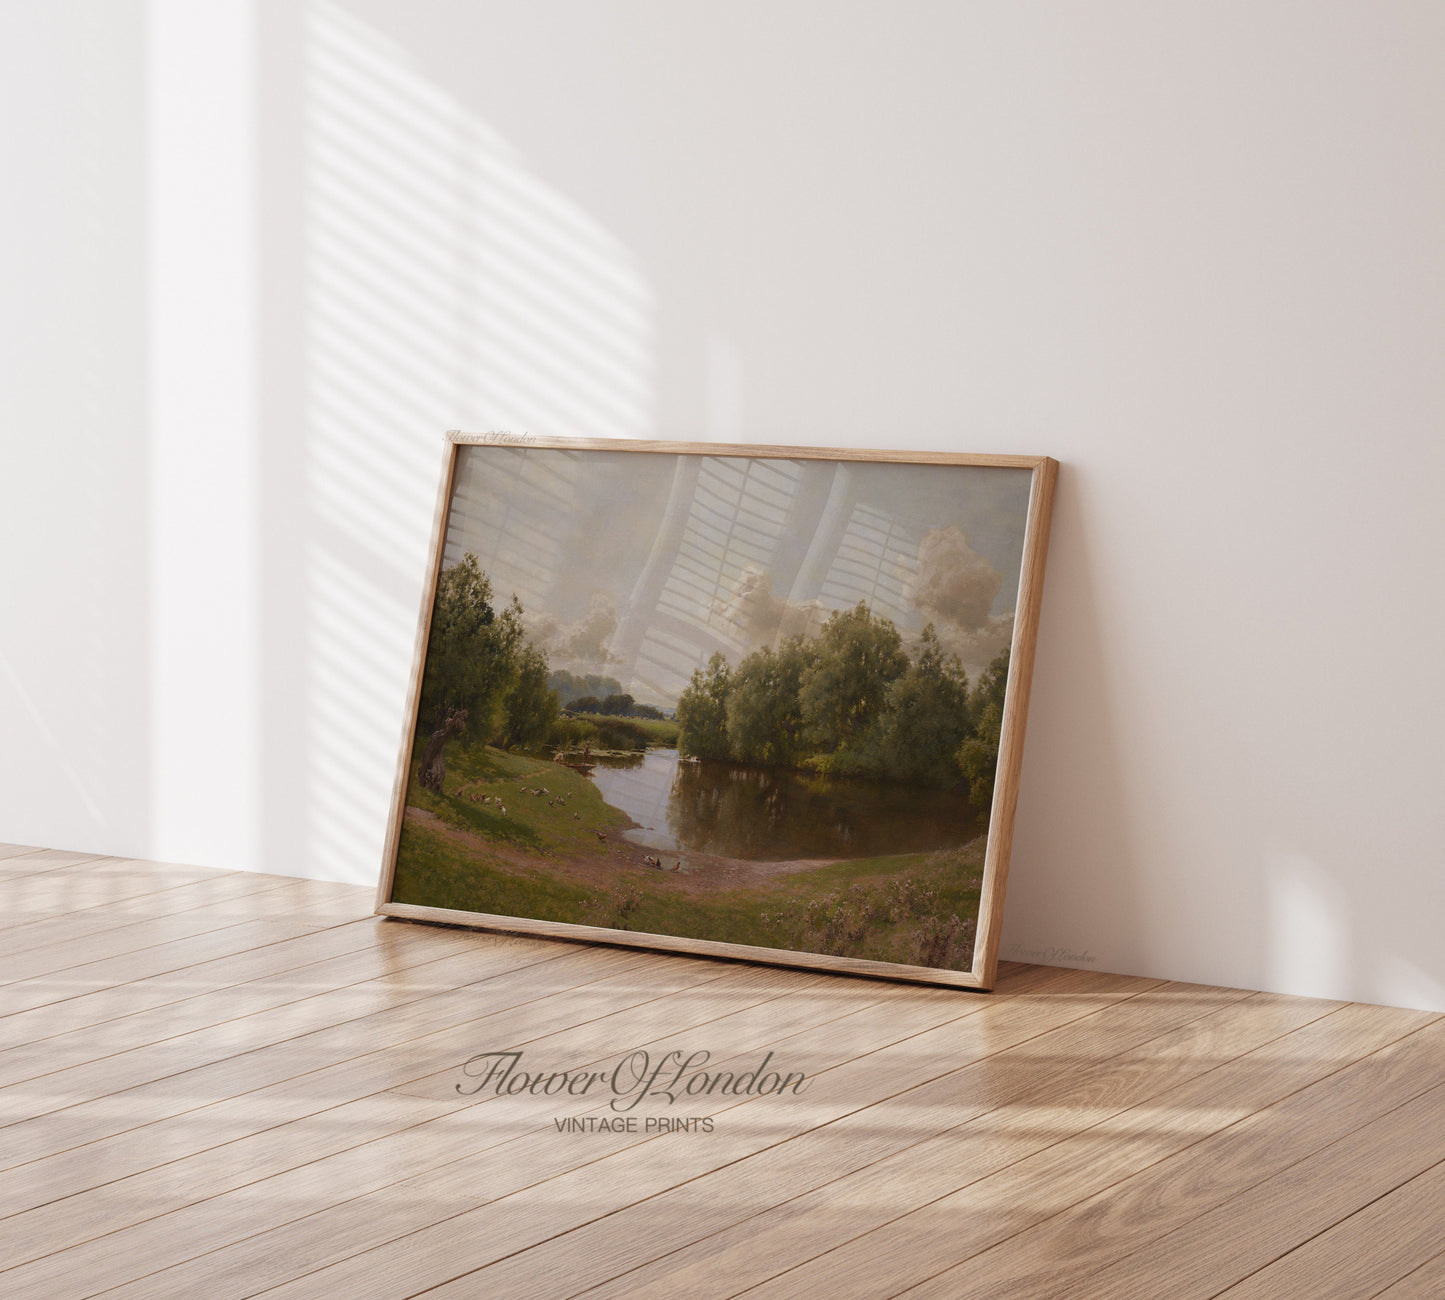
x=143 y=963
x=1276 y=1214
x=638 y=1232
x=996 y=1208
x=251 y=922
x=432 y=1128
x=1059 y=1257
x=1377 y=1245
x=444 y=1000
x=81 y=905
x=229 y=1026
x=633 y=987
x=503 y=987
x=982 y=1119
x=296 y=902
x=1426 y=1283
x=119 y=1001
x=39 y=861
x=318 y=1237
x=361 y=965
x=905 y=1038
x=232 y=1085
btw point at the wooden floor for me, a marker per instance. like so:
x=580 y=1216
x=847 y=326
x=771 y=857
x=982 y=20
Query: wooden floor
x=223 y=1084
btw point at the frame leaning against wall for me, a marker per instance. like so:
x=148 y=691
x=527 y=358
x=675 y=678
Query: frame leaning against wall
x=980 y=973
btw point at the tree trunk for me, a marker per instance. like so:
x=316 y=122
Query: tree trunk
x=434 y=757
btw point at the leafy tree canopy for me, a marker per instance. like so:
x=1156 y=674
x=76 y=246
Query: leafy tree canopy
x=926 y=717
x=764 y=709
x=472 y=649
x=851 y=702
x=857 y=657
x=570 y=687
x=977 y=756
x=532 y=706
x=702 y=711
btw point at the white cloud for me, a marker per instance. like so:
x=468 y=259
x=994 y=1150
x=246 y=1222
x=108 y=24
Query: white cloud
x=955 y=588
x=758 y=616
x=954 y=582
x=587 y=642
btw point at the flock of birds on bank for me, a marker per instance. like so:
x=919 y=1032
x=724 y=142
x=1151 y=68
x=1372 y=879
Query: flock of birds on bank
x=556 y=801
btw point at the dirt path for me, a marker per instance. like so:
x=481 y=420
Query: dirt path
x=698 y=873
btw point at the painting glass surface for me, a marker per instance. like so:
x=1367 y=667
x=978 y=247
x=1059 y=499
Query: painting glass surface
x=747 y=700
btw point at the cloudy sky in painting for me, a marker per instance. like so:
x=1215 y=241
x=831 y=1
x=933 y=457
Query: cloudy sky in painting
x=640 y=565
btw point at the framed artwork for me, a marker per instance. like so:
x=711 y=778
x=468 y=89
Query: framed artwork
x=755 y=702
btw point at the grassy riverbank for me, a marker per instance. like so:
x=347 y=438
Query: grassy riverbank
x=518 y=836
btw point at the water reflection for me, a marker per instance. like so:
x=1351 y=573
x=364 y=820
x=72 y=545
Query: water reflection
x=768 y=815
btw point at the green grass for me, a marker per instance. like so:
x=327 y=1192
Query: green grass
x=542 y=824
x=432 y=872
x=862 y=907
x=662 y=732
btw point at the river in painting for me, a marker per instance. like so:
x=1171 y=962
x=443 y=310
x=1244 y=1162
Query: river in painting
x=773 y=814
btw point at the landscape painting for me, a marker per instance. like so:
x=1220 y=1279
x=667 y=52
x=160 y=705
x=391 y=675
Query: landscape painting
x=749 y=702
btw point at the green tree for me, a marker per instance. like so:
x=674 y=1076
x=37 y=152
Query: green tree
x=764 y=711
x=471 y=661
x=977 y=757
x=532 y=706
x=926 y=718
x=570 y=688
x=702 y=711
x=992 y=685
x=845 y=689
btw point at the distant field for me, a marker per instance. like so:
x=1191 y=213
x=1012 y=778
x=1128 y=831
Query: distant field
x=660 y=731
x=609 y=732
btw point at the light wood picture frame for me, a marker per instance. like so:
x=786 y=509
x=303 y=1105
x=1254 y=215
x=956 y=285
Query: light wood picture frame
x=754 y=702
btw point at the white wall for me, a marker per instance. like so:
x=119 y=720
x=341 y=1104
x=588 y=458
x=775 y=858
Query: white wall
x=261 y=255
